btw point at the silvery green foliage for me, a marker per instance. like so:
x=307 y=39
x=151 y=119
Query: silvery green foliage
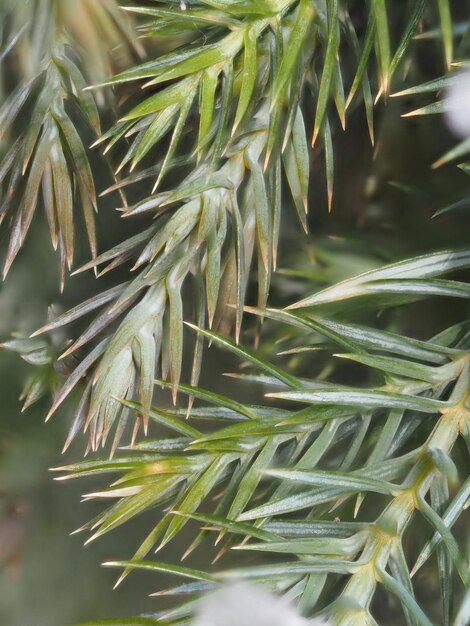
x=334 y=480
x=54 y=49
x=231 y=102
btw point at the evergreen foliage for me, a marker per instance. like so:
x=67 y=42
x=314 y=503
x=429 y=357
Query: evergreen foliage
x=350 y=479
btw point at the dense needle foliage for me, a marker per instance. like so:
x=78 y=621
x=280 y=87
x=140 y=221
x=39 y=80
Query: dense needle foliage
x=350 y=470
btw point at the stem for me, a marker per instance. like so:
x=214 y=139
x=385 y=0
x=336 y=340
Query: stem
x=387 y=532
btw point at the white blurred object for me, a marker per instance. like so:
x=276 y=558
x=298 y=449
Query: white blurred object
x=457 y=105
x=243 y=605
